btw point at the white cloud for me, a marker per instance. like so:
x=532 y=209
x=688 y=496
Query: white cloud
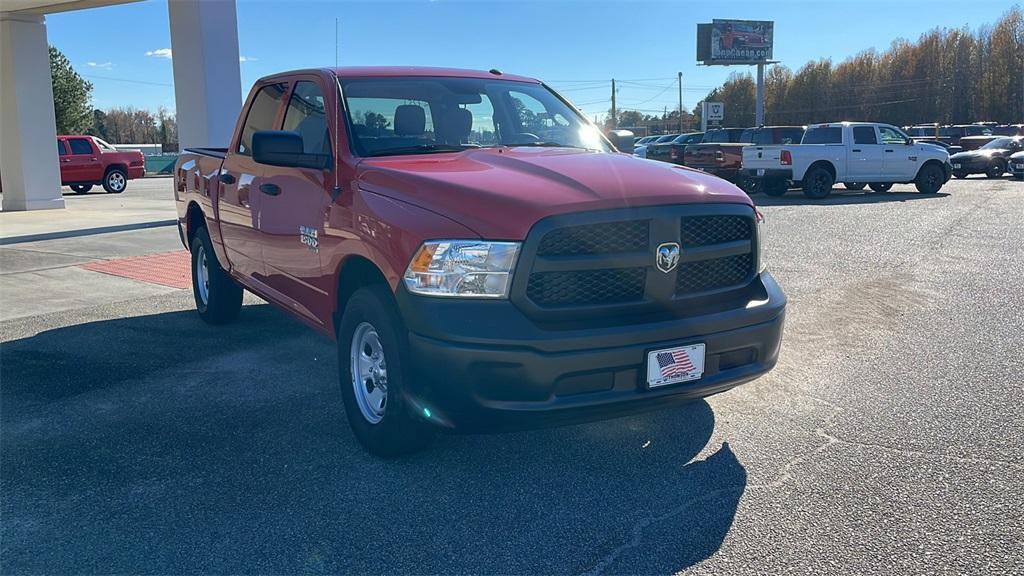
x=247 y=59
x=103 y=65
x=160 y=53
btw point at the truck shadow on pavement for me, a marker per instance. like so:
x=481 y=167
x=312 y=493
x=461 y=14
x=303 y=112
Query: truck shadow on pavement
x=159 y=444
x=840 y=196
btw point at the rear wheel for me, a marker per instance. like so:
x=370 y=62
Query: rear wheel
x=996 y=169
x=818 y=183
x=115 y=181
x=373 y=358
x=81 y=188
x=930 y=179
x=750 y=186
x=854 y=185
x=218 y=298
x=880 y=186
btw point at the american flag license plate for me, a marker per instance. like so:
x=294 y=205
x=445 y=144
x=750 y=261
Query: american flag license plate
x=674 y=365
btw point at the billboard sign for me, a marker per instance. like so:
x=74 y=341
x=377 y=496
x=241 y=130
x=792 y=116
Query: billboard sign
x=735 y=41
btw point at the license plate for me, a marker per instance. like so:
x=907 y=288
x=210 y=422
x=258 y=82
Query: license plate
x=1020 y=166
x=956 y=166
x=674 y=365
x=760 y=171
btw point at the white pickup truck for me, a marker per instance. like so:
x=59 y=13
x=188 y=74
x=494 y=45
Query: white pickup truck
x=854 y=153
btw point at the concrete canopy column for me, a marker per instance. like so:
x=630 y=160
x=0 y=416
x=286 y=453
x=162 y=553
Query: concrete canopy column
x=207 y=75
x=29 y=165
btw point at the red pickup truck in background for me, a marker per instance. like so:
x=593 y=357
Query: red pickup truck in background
x=86 y=161
x=483 y=256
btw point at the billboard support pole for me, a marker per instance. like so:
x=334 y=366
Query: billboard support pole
x=759 y=120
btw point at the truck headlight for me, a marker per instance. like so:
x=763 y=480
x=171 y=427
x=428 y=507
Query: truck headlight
x=762 y=238
x=466 y=268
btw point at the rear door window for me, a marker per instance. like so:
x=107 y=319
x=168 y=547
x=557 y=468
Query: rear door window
x=824 y=135
x=60 y=148
x=80 y=146
x=262 y=114
x=864 y=135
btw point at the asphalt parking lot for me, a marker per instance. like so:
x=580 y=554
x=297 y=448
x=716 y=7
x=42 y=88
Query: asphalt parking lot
x=134 y=438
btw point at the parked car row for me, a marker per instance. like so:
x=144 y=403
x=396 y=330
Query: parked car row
x=966 y=136
x=992 y=159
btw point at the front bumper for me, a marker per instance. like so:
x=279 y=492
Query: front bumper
x=484 y=366
x=972 y=166
x=1017 y=167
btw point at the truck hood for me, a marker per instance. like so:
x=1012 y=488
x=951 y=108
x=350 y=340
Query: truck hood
x=500 y=193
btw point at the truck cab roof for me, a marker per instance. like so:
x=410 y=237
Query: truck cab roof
x=402 y=71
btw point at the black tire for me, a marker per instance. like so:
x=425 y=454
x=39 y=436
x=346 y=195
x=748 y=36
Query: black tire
x=996 y=169
x=115 y=181
x=80 y=188
x=398 y=429
x=930 y=179
x=854 y=185
x=776 y=188
x=818 y=183
x=750 y=186
x=960 y=175
x=223 y=297
x=880 y=186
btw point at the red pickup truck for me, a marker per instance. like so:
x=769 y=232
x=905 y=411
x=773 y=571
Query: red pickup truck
x=86 y=161
x=483 y=256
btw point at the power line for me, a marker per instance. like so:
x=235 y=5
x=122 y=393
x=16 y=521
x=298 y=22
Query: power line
x=129 y=81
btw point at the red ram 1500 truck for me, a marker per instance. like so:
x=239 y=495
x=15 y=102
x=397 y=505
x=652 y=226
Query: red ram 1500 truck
x=86 y=161
x=484 y=258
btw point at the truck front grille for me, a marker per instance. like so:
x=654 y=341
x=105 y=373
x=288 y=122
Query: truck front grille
x=587 y=287
x=581 y=263
x=610 y=238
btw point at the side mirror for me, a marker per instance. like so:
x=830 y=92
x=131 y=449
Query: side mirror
x=284 y=148
x=622 y=140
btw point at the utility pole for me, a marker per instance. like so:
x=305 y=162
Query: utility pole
x=664 y=120
x=759 y=121
x=680 y=102
x=615 y=118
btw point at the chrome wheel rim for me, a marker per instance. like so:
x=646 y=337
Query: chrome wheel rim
x=202 y=272
x=116 y=180
x=369 y=373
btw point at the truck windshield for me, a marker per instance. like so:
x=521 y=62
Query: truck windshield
x=424 y=115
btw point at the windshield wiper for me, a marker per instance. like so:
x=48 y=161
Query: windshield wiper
x=425 y=149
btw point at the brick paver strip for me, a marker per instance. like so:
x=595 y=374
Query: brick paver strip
x=172 y=269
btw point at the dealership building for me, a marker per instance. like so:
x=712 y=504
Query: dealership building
x=207 y=86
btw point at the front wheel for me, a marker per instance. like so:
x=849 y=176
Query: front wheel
x=996 y=169
x=880 y=186
x=218 y=298
x=818 y=183
x=81 y=188
x=373 y=369
x=115 y=181
x=854 y=185
x=930 y=179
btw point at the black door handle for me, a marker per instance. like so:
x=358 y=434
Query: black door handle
x=855 y=150
x=270 y=189
x=888 y=150
x=227 y=178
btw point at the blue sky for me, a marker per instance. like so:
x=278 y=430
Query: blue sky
x=575 y=46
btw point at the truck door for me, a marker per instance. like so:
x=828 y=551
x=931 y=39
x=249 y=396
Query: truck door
x=292 y=206
x=65 y=161
x=867 y=156
x=901 y=160
x=239 y=181
x=83 y=164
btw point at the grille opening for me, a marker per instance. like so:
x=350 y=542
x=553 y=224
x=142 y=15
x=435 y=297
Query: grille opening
x=606 y=238
x=712 y=274
x=708 y=230
x=587 y=287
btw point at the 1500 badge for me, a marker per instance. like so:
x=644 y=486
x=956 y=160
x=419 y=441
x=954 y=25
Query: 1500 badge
x=308 y=236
